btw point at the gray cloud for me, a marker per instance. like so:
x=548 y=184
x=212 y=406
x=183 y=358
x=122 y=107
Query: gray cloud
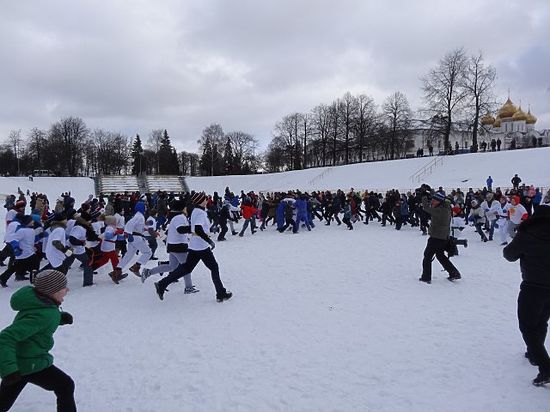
x=136 y=66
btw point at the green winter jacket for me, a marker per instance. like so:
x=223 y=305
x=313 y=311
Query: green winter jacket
x=440 y=226
x=24 y=345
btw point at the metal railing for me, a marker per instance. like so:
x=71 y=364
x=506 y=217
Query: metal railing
x=427 y=169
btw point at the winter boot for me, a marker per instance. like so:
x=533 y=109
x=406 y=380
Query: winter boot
x=116 y=275
x=428 y=281
x=224 y=296
x=135 y=269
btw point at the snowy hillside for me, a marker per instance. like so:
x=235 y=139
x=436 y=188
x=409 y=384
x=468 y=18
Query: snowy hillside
x=469 y=170
x=80 y=187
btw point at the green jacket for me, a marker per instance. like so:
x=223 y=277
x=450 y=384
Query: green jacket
x=25 y=344
x=440 y=226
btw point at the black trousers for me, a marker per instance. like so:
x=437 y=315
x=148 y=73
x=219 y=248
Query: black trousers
x=533 y=315
x=436 y=247
x=51 y=379
x=20 y=267
x=193 y=258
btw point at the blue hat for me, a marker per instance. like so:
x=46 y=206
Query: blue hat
x=139 y=207
x=439 y=197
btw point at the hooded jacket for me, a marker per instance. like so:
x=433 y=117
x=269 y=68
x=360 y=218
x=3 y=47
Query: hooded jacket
x=531 y=246
x=440 y=228
x=27 y=341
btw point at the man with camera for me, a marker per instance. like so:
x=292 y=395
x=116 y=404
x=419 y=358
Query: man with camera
x=439 y=209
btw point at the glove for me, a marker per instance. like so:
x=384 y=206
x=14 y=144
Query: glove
x=212 y=244
x=66 y=319
x=130 y=237
x=12 y=378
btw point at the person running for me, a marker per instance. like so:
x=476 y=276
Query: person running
x=200 y=248
x=26 y=343
x=177 y=246
x=136 y=243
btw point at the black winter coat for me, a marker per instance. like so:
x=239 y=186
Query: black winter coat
x=531 y=246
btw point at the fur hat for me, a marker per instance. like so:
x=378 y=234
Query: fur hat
x=439 y=197
x=49 y=282
x=198 y=198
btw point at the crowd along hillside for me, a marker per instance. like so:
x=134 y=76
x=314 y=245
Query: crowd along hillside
x=464 y=171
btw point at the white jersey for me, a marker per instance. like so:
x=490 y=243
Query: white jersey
x=199 y=218
x=135 y=224
x=96 y=226
x=150 y=223
x=109 y=238
x=25 y=237
x=69 y=227
x=119 y=225
x=491 y=212
x=79 y=233
x=174 y=237
x=47 y=233
x=10 y=216
x=516 y=213
x=55 y=256
x=10 y=231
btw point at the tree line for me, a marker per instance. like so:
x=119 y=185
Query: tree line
x=458 y=89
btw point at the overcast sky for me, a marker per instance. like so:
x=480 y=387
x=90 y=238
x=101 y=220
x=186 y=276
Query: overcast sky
x=134 y=66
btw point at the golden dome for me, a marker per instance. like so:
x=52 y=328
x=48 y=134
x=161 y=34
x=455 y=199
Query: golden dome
x=530 y=118
x=496 y=123
x=487 y=120
x=507 y=110
x=519 y=115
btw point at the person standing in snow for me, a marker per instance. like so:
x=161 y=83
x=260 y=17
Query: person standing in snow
x=490 y=183
x=516 y=214
x=440 y=228
x=26 y=343
x=531 y=246
x=516 y=180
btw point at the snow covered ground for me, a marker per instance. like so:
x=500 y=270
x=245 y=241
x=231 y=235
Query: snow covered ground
x=327 y=320
x=464 y=171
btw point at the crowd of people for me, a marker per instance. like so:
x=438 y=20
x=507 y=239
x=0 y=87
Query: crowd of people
x=124 y=231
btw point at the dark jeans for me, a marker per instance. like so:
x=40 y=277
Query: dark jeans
x=436 y=247
x=51 y=379
x=533 y=315
x=193 y=258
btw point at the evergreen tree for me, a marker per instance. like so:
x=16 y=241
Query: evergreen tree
x=228 y=158
x=137 y=156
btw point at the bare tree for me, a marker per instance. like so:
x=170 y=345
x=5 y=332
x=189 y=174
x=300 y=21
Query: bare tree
x=35 y=144
x=443 y=91
x=65 y=145
x=15 y=141
x=154 y=143
x=365 y=121
x=397 y=116
x=348 y=108
x=334 y=116
x=478 y=82
x=243 y=148
x=320 y=118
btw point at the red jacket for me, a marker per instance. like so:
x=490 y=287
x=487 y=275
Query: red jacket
x=248 y=211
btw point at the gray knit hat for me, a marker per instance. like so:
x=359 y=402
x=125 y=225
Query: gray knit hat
x=49 y=282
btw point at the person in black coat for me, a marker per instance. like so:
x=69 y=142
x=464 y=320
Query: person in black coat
x=531 y=246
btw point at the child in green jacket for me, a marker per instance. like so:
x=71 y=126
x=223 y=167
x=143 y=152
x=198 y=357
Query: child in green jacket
x=25 y=344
